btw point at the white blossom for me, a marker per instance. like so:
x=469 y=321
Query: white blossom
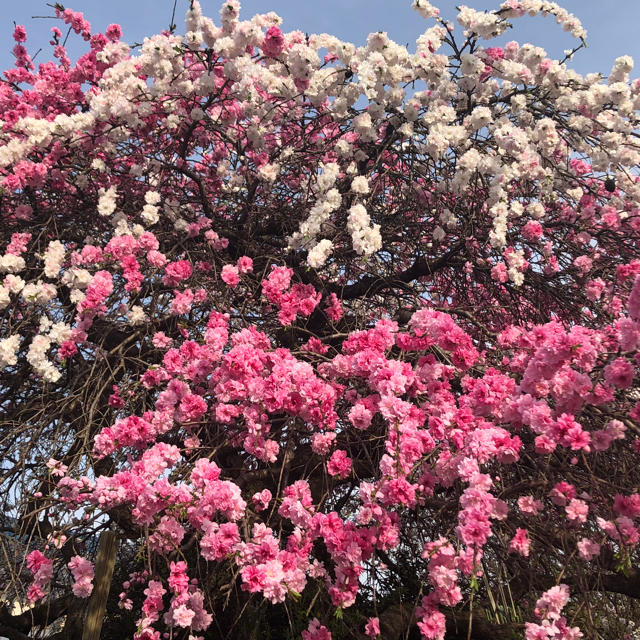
x=9 y=350
x=425 y=9
x=136 y=315
x=318 y=255
x=11 y=263
x=360 y=185
x=53 y=258
x=107 y=201
x=38 y=292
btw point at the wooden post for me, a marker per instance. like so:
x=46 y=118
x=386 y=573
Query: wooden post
x=105 y=563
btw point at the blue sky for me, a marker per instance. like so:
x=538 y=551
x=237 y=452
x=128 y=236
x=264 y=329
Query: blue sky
x=612 y=26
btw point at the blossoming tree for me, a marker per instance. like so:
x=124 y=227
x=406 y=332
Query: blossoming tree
x=337 y=341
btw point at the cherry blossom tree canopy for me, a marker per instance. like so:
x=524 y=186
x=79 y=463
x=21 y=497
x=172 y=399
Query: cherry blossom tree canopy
x=337 y=341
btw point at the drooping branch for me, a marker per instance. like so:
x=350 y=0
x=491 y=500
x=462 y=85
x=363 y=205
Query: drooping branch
x=371 y=285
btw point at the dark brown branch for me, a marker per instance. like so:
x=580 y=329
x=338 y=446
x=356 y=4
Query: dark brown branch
x=38 y=616
x=11 y=633
x=370 y=285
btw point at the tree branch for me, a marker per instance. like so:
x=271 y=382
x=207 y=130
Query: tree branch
x=370 y=285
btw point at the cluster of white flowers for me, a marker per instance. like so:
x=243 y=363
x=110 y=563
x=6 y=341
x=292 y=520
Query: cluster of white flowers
x=480 y=117
x=516 y=263
x=360 y=185
x=269 y=172
x=318 y=255
x=363 y=125
x=11 y=263
x=425 y=9
x=448 y=219
x=136 y=315
x=318 y=215
x=193 y=20
x=9 y=351
x=53 y=259
x=107 y=201
x=536 y=210
x=546 y=136
x=13 y=151
x=5 y=299
x=150 y=210
x=302 y=61
x=471 y=66
x=365 y=236
x=469 y=161
x=328 y=201
x=120 y=224
x=38 y=132
x=14 y=283
x=37 y=358
x=59 y=332
x=620 y=70
x=486 y=25
x=498 y=234
x=38 y=292
x=518 y=8
x=327 y=175
x=442 y=137
x=113 y=52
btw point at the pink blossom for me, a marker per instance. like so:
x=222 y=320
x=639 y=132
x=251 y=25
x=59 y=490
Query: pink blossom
x=219 y=540
x=577 y=510
x=245 y=265
x=475 y=528
x=182 y=302
x=372 y=628
x=339 y=464
x=176 y=272
x=42 y=569
x=273 y=43
x=182 y=616
x=520 y=543
x=583 y=264
x=627 y=505
x=230 y=275
x=634 y=300
x=316 y=631
x=499 y=272
x=113 y=32
x=552 y=601
x=532 y=230
x=20 y=33
x=161 y=340
x=333 y=307
x=360 y=416
x=588 y=549
x=619 y=373
x=562 y=492
x=82 y=571
x=261 y=499
x=529 y=505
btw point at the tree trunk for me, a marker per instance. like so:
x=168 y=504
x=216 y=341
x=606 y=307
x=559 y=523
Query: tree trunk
x=105 y=563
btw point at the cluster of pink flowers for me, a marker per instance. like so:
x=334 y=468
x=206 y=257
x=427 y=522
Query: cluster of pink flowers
x=77 y=21
x=291 y=300
x=82 y=572
x=553 y=625
x=248 y=381
x=42 y=569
